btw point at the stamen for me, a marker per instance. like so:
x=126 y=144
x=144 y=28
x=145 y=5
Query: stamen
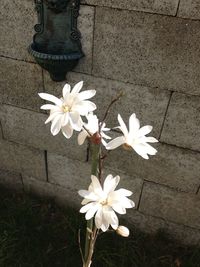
x=127 y=147
x=66 y=109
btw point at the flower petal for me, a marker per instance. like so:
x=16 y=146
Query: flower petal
x=67 y=131
x=127 y=203
x=122 y=192
x=99 y=218
x=118 y=141
x=110 y=183
x=118 y=208
x=84 y=107
x=114 y=220
x=77 y=87
x=76 y=121
x=81 y=137
x=56 y=125
x=66 y=90
x=47 y=107
x=53 y=116
x=86 y=94
x=88 y=195
x=143 y=149
x=149 y=139
x=51 y=98
x=65 y=118
x=145 y=130
x=87 y=207
x=134 y=124
x=96 y=185
x=93 y=209
x=140 y=150
x=123 y=127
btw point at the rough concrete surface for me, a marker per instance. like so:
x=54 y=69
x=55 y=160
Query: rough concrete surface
x=22 y=159
x=182 y=124
x=20 y=83
x=146 y=223
x=63 y=196
x=29 y=129
x=148 y=104
x=10 y=180
x=86 y=27
x=189 y=9
x=147 y=49
x=171 y=205
x=76 y=175
x=17 y=20
x=168 y=7
x=175 y=167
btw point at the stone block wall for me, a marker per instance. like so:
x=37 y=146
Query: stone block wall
x=148 y=49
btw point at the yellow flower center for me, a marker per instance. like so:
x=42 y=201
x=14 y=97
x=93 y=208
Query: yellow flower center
x=127 y=147
x=104 y=202
x=65 y=108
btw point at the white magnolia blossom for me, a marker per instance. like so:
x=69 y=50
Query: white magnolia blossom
x=123 y=231
x=104 y=202
x=134 y=138
x=93 y=127
x=66 y=112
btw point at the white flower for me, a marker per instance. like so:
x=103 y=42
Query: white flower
x=105 y=202
x=93 y=127
x=66 y=112
x=123 y=231
x=134 y=138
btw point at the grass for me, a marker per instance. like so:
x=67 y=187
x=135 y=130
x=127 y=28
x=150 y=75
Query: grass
x=37 y=233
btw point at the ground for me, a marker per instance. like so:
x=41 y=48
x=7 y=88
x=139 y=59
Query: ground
x=37 y=233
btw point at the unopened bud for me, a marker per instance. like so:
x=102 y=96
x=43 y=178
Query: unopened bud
x=96 y=138
x=123 y=231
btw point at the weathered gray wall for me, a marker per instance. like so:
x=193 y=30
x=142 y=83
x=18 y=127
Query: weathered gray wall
x=151 y=50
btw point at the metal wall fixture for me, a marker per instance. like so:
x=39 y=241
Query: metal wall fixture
x=56 y=45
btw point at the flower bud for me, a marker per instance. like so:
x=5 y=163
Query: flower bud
x=123 y=231
x=96 y=138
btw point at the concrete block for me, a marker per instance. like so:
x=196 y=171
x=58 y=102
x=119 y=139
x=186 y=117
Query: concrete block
x=27 y=127
x=86 y=27
x=67 y=197
x=22 y=159
x=17 y=21
x=167 y=7
x=20 y=83
x=1 y=131
x=171 y=205
x=149 y=104
x=146 y=49
x=149 y=224
x=189 y=9
x=60 y=195
x=172 y=166
x=182 y=124
x=10 y=180
x=75 y=175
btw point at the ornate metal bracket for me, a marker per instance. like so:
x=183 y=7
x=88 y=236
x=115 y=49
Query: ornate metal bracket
x=56 y=45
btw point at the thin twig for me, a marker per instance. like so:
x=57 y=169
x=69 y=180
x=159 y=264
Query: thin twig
x=88 y=151
x=106 y=155
x=109 y=107
x=87 y=131
x=79 y=244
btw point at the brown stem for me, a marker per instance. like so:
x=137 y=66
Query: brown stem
x=79 y=243
x=93 y=239
x=87 y=131
x=109 y=107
